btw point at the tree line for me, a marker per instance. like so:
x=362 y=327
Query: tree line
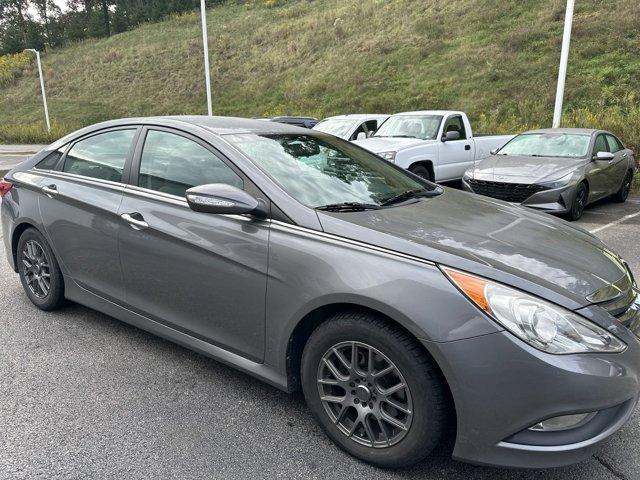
x=41 y=24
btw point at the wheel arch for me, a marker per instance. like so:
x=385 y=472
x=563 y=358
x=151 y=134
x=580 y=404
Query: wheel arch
x=427 y=163
x=313 y=319
x=15 y=237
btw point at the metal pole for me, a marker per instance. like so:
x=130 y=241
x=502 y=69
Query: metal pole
x=44 y=95
x=564 y=60
x=205 y=42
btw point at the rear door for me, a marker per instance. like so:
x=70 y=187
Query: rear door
x=200 y=273
x=455 y=156
x=79 y=206
x=620 y=163
x=601 y=173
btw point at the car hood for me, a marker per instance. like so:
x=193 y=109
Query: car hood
x=524 y=169
x=508 y=243
x=390 y=144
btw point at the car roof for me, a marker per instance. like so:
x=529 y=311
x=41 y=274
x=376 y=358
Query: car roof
x=581 y=131
x=431 y=112
x=357 y=116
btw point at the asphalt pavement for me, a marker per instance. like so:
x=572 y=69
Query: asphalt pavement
x=12 y=155
x=83 y=395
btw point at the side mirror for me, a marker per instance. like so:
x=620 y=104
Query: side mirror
x=494 y=151
x=220 y=198
x=604 y=156
x=361 y=136
x=451 y=135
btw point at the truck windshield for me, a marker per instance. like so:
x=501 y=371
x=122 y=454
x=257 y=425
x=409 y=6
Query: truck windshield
x=424 y=127
x=570 y=145
x=319 y=170
x=335 y=126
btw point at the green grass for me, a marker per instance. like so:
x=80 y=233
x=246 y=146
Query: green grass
x=495 y=59
x=3 y=173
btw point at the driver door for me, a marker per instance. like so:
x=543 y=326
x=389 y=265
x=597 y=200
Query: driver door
x=454 y=156
x=600 y=175
x=199 y=273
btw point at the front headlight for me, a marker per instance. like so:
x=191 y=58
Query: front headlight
x=390 y=156
x=541 y=324
x=561 y=182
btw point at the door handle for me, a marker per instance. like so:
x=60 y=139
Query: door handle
x=50 y=190
x=467 y=147
x=624 y=155
x=135 y=223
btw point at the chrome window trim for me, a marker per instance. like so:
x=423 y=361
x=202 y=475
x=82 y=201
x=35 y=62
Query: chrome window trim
x=80 y=178
x=286 y=227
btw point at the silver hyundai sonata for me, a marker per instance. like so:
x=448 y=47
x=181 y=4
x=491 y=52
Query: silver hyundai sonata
x=400 y=308
x=556 y=170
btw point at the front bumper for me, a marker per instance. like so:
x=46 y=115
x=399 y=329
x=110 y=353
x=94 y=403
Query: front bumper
x=556 y=200
x=501 y=387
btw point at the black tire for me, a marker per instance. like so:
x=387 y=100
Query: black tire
x=425 y=390
x=30 y=240
x=579 y=203
x=422 y=172
x=621 y=195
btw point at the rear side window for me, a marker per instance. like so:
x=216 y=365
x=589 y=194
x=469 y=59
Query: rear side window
x=50 y=161
x=172 y=164
x=101 y=156
x=614 y=144
x=600 y=145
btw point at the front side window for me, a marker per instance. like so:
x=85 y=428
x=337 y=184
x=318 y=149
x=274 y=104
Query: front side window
x=455 y=124
x=319 y=170
x=424 y=127
x=172 y=164
x=568 y=145
x=600 y=145
x=101 y=156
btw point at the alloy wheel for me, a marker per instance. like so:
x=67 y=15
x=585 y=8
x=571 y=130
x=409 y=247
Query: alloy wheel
x=626 y=186
x=36 y=269
x=364 y=394
x=580 y=201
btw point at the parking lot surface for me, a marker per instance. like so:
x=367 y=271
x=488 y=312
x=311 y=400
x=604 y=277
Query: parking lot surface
x=85 y=396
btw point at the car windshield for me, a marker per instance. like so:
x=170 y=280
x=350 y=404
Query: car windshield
x=570 y=145
x=335 y=126
x=320 y=170
x=424 y=127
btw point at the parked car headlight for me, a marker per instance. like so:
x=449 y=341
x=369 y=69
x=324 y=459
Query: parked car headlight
x=390 y=156
x=561 y=182
x=541 y=324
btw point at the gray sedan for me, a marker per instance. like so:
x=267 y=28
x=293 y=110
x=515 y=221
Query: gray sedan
x=400 y=308
x=556 y=170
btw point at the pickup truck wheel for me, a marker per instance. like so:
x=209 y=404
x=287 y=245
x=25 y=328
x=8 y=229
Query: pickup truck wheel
x=621 y=195
x=373 y=390
x=422 y=172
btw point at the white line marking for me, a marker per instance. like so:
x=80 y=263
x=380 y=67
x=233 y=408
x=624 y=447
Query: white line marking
x=617 y=222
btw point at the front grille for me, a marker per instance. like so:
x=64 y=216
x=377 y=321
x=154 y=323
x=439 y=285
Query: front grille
x=510 y=192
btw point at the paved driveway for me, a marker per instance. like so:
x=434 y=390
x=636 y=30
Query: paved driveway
x=85 y=396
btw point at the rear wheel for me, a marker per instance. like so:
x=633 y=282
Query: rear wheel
x=579 y=203
x=373 y=390
x=422 y=171
x=39 y=271
x=621 y=195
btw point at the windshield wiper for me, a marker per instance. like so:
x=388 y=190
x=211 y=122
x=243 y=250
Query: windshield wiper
x=417 y=193
x=348 y=207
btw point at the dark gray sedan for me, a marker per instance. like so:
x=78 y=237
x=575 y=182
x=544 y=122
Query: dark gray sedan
x=556 y=170
x=401 y=309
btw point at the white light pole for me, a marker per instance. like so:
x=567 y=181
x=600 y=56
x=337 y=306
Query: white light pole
x=564 y=59
x=44 y=95
x=205 y=42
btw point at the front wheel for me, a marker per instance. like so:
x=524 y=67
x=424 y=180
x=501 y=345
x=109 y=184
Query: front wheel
x=422 y=171
x=373 y=390
x=579 y=203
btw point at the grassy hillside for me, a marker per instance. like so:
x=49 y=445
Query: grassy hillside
x=496 y=59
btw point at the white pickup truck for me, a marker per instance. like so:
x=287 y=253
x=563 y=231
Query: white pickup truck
x=435 y=144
